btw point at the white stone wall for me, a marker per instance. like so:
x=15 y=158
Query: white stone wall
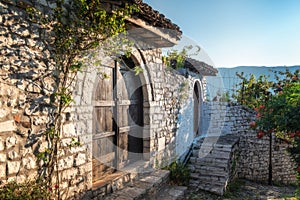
x=185 y=133
x=164 y=108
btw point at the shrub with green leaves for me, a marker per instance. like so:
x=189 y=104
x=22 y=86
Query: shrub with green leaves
x=34 y=190
x=277 y=106
x=179 y=173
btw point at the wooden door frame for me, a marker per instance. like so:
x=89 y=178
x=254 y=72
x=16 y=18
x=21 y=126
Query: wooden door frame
x=115 y=66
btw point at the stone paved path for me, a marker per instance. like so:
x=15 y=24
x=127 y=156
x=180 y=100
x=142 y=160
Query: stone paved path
x=247 y=190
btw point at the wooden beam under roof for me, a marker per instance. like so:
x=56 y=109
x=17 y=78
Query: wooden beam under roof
x=153 y=36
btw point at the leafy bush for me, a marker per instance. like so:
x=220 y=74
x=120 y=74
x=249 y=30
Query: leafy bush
x=22 y=191
x=180 y=174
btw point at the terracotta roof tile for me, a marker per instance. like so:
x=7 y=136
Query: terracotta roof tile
x=153 y=17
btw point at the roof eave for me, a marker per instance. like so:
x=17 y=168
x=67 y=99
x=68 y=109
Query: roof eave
x=154 y=36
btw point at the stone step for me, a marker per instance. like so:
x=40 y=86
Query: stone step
x=170 y=192
x=109 y=184
x=214 y=155
x=210 y=168
x=217 y=141
x=208 y=162
x=194 y=184
x=220 y=147
x=214 y=147
x=211 y=173
x=207 y=178
x=212 y=188
x=144 y=187
x=211 y=150
x=202 y=185
x=118 y=180
x=211 y=153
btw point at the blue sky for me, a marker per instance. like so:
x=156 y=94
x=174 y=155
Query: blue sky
x=239 y=32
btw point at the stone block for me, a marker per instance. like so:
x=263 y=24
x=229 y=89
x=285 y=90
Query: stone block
x=3 y=113
x=7 y=126
x=80 y=159
x=10 y=141
x=66 y=142
x=2 y=157
x=21 y=179
x=161 y=143
x=65 y=163
x=69 y=130
x=13 y=167
x=2 y=171
x=83 y=169
x=69 y=174
x=12 y=155
x=29 y=163
x=1 y=145
x=78 y=149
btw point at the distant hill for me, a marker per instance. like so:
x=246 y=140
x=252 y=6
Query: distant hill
x=227 y=79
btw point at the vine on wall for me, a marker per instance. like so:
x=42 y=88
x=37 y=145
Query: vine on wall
x=78 y=28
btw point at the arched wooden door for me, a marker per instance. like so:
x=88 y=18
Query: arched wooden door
x=118 y=119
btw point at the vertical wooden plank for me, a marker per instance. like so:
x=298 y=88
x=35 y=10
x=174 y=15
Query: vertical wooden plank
x=103 y=147
x=123 y=149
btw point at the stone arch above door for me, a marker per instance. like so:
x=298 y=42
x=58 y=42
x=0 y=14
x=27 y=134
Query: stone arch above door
x=86 y=80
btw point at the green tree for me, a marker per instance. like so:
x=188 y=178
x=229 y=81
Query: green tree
x=252 y=92
x=277 y=106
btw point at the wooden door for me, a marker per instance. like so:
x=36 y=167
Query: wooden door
x=118 y=119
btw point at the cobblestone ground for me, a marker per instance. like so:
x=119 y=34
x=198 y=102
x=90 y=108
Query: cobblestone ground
x=247 y=190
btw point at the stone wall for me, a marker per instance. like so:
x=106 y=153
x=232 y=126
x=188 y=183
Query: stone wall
x=24 y=73
x=26 y=86
x=171 y=111
x=222 y=118
x=254 y=160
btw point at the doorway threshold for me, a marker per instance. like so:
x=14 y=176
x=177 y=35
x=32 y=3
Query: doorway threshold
x=120 y=178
